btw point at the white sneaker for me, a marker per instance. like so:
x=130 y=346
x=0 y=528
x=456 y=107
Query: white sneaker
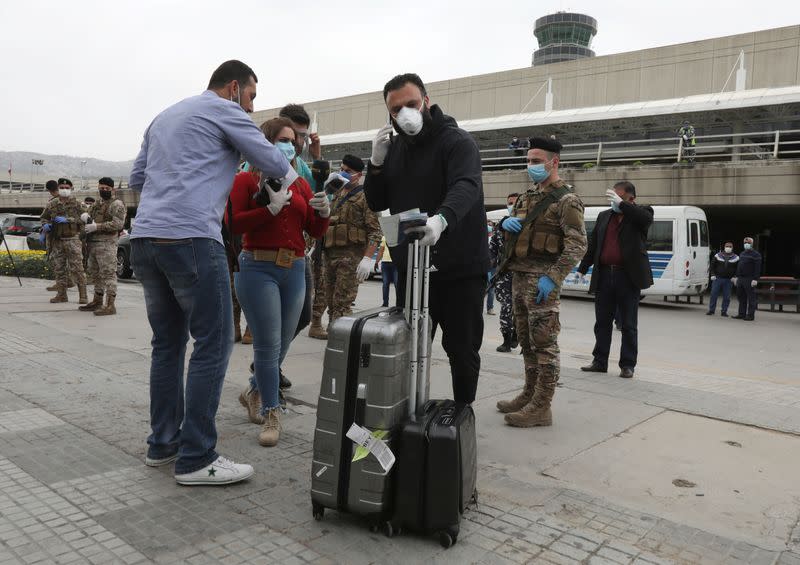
x=221 y=472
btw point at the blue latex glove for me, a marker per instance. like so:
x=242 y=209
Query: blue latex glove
x=514 y=225
x=42 y=237
x=60 y=220
x=546 y=286
x=46 y=228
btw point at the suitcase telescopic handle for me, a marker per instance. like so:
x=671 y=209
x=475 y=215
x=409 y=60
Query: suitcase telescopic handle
x=418 y=279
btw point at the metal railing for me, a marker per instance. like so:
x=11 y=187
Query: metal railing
x=731 y=147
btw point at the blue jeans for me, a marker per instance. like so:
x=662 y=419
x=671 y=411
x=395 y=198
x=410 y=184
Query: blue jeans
x=389 y=276
x=187 y=291
x=490 y=293
x=720 y=285
x=272 y=299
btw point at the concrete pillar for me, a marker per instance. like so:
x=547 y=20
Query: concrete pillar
x=738 y=127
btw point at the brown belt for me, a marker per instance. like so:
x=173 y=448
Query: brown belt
x=281 y=257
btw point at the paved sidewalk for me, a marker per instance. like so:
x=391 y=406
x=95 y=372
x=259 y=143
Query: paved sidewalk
x=598 y=487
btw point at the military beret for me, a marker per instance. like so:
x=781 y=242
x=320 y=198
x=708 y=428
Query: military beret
x=546 y=143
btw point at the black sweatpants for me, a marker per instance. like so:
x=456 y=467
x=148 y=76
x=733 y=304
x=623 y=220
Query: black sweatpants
x=616 y=298
x=456 y=306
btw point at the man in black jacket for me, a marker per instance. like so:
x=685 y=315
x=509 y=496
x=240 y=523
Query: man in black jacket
x=748 y=272
x=433 y=165
x=723 y=269
x=618 y=251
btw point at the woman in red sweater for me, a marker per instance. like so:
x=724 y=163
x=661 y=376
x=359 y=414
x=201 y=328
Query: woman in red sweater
x=270 y=283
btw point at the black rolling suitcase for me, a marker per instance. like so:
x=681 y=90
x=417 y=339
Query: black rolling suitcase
x=436 y=451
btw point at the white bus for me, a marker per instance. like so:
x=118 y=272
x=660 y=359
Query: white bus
x=677 y=244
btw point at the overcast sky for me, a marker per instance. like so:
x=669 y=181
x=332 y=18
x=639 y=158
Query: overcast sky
x=86 y=77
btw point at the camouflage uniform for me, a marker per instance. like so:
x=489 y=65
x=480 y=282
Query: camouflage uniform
x=109 y=215
x=320 y=299
x=68 y=256
x=551 y=246
x=502 y=287
x=353 y=227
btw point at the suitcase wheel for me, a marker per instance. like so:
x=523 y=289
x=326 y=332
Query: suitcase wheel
x=388 y=529
x=448 y=537
x=319 y=511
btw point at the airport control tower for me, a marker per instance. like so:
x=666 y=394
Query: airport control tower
x=563 y=36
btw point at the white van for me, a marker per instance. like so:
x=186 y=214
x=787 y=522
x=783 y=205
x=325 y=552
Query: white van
x=678 y=247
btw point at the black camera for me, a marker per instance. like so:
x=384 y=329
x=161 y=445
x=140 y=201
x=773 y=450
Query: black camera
x=334 y=186
x=262 y=196
x=320 y=170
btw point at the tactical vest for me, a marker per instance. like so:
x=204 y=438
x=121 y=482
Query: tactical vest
x=543 y=237
x=346 y=224
x=100 y=213
x=69 y=229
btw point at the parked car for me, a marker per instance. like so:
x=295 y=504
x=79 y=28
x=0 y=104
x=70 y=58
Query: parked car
x=19 y=224
x=124 y=270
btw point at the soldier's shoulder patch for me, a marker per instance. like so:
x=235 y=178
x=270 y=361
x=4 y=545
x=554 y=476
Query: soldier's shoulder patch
x=572 y=210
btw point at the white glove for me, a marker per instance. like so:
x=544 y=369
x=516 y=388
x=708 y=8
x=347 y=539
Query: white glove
x=84 y=217
x=332 y=177
x=320 y=204
x=613 y=197
x=364 y=269
x=713 y=277
x=380 y=145
x=733 y=280
x=287 y=181
x=278 y=200
x=90 y=228
x=431 y=231
x=754 y=283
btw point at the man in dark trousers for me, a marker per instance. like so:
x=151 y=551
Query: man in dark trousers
x=434 y=165
x=723 y=269
x=618 y=251
x=746 y=281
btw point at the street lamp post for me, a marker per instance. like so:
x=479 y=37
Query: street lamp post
x=83 y=184
x=35 y=163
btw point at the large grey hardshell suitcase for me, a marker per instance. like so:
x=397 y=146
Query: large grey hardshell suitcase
x=370 y=376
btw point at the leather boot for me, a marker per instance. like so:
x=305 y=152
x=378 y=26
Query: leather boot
x=251 y=400
x=247 y=338
x=52 y=288
x=109 y=309
x=316 y=330
x=61 y=296
x=505 y=347
x=97 y=302
x=537 y=411
x=82 y=299
x=524 y=397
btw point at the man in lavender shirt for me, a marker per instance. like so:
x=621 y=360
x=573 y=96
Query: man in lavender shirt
x=185 y=172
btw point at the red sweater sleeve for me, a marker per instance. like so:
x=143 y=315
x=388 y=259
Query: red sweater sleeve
x=246 y=217
x=316 y=225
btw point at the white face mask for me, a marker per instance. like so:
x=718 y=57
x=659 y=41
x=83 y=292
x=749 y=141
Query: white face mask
x=410 y=120
x=748 y=245
x=64 y=192
x=729 y=250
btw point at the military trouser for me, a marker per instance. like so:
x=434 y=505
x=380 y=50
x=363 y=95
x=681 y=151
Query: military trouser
x=502 y=290
x=341 y=286
x=102 y=266
x=320 y=289
x=68 y=261
x=538 y=327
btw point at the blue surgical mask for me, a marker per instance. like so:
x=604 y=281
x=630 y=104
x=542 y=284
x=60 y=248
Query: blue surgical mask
x=537 y=173
x=489 y=229
x=287 y=148
x=615 y=207
x=748 y=245
x=346 y=175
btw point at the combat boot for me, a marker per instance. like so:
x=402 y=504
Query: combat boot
x=52 y=288
x=251 y=400
x=82 y=299
x=505 y=347
x=247 y=338
x=109 y=309
x=97 y=302
x=523 y=398
x=316 y=330
x=61 y=296
x=271 y=430
x=537 y=411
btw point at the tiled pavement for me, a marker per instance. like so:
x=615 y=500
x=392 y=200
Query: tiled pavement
x=73 y=488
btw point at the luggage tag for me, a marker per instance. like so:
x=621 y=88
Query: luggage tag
x=371 y=442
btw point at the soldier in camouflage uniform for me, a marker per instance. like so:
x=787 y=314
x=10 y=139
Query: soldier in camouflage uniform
x=502 y=285
x=320 y=302
x=350 y=243
x=540 y=255
x=61 y=218
x=104 y=220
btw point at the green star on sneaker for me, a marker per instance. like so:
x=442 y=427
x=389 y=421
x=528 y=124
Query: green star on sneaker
x=212 y=472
